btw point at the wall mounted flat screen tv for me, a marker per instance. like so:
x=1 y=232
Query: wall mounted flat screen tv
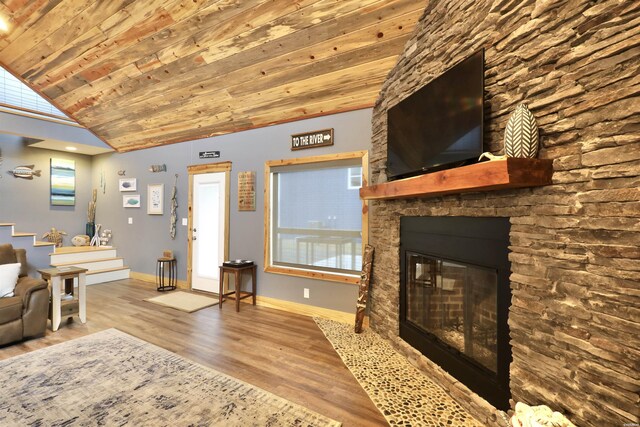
x=440 y=125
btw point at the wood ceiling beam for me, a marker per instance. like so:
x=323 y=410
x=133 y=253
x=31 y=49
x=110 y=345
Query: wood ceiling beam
x=338 y=84
x=279 y=73
x=22 y=15
x=145 y=48
x=150 y=89
x=227 y=31
x=310 y=110
x=275 y=88
x=141 y=73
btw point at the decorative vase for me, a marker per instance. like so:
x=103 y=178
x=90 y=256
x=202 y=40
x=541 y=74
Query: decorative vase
x=90 y=229
x=521 y=134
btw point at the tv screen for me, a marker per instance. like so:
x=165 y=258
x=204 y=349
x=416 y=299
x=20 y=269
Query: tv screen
x=440 y=125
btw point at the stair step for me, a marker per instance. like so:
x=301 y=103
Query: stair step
x=38 y=243
x=77 y=249
x=7 y=224
x=18 y=234
x=67 y=256
x=94 y=264
x=107 y=275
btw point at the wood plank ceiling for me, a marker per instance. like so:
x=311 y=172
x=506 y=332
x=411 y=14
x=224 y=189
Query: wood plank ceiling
x=145 y=73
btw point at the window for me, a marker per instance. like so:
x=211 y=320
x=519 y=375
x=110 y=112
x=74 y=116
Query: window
x=355 y=178
x=15 y=94
x=315 y=222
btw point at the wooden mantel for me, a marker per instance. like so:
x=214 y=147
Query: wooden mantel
x=486 y=176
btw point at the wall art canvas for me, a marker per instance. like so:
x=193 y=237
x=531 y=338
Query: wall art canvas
x=63 y=182
x=155 y=199
x=131 y=201
x=127 y=184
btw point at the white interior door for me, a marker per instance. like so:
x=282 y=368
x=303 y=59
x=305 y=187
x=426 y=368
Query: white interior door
x=208 y=235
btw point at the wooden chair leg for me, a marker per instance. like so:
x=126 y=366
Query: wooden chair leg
x=237 y=285
x=221 y=290
x=253 y=283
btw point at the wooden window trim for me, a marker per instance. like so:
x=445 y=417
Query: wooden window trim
x=308 y=273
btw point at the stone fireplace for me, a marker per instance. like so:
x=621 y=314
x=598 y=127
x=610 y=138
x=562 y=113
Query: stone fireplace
x=455 y=296
x=574 y=254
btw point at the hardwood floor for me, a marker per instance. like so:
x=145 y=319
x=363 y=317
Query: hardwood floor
x=283 y=353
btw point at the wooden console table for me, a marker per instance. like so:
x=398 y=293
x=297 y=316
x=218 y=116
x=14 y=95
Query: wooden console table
x=76 y=305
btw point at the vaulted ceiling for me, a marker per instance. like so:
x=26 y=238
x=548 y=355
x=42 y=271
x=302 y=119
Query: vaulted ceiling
x=145 y=73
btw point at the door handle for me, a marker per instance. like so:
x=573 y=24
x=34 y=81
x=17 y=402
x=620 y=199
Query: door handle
x=194 y=237
x=194 y=230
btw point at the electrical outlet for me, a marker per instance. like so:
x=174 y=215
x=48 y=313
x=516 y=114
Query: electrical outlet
x=130 y=220
x=184 y=221
x=306 y=292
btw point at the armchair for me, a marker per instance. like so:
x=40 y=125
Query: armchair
x=24 y=314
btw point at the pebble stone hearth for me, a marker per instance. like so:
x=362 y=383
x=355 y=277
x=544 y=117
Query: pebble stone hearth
x=402 y=393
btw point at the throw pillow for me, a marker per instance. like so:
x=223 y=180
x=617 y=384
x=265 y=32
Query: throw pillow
x=8 y=278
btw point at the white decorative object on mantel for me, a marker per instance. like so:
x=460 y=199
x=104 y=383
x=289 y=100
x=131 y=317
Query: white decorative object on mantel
x=538 y=416
x=521 y=134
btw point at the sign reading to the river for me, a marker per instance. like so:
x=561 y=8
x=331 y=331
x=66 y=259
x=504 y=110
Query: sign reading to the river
x=319 y=138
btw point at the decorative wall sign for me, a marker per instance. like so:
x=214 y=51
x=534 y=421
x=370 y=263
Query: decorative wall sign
x=155 y=199
x=209 y=154
x=127 y=184
x=63 y=182
x=247 y=191
x=131 y=201
x=25 y=172
x=319 y=138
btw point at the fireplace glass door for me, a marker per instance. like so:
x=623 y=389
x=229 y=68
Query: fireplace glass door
x=456 y=303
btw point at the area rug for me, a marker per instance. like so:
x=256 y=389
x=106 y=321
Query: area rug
x=403 y=394
x=183 y=301
x=113 y=379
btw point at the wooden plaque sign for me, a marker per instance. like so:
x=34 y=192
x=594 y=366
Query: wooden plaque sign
x=319 y=138
x=247 y=191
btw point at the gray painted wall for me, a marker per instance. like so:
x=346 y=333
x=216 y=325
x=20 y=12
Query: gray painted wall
x=143 y=241
x=43 y=129
x=26 y=202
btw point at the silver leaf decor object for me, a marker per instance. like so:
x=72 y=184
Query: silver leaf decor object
x=521 y=134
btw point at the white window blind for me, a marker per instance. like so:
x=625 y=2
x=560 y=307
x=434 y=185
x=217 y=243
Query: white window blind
x=316 y=217
x=15 y=93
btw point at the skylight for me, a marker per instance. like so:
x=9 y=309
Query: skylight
x=16 y=95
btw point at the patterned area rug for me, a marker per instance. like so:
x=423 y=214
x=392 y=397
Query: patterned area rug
x=183 y=301
x=403 y=394
x=113 y=379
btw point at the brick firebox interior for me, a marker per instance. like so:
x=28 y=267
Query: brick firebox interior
x=574 y=245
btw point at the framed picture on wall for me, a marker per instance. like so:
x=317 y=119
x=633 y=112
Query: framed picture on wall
x=127 y=184
x=155 y=199
x=131 y=201
x=63 y=182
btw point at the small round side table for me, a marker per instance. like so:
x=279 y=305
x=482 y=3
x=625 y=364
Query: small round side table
x=166 y=272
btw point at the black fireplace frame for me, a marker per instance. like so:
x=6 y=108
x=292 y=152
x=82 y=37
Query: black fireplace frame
x=479 y=241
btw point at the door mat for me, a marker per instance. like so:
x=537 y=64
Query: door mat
x=184 y=301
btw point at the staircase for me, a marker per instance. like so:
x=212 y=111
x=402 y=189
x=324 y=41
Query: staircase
x=102 y=262
x=37 y=251
x=10 y=235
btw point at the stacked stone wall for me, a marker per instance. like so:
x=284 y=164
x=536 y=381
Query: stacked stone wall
x=575 y=244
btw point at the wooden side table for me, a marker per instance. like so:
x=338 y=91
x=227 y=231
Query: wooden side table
x=237 y=293
x=76 y=305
